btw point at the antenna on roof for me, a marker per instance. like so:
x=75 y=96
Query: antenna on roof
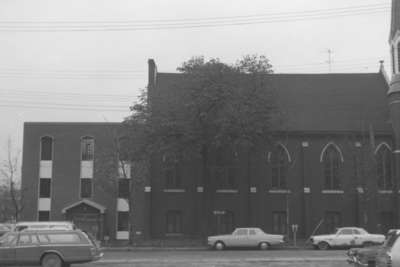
x=329 y=61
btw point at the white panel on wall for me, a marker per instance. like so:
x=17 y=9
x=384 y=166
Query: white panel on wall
x=122 y=235
x=122 y=205
x=127 y=167
x=44 y=204
x=45 y=169
x=87 y=169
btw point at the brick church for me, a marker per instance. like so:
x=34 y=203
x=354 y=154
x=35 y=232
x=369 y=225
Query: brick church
x=336 y=162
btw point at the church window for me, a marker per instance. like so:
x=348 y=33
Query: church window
x=279 y=162
x=398 y=56
x=384 y=168
x=331 y=161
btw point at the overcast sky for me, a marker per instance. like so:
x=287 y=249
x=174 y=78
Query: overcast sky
x=85 y=60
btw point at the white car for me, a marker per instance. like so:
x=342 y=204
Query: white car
x=347 y=237
x=245 y=237
x=389 y=254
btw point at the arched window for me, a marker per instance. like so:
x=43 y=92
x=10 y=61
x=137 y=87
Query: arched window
x=384 y=168
x=172 y=171
x=87 y=148
x=331 y=160
x=46 y=148
x=279 y=162
x=398 y=56
x=225 y=168
x=393 y=59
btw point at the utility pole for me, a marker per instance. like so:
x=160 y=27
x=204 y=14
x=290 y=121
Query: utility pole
x=329 y=61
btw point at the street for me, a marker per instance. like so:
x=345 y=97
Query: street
x=237 y=258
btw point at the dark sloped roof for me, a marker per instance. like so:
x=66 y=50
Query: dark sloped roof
x=323 y=102
x=395 y=23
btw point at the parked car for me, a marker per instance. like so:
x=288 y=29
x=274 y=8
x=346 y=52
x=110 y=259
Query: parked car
x=48 y=248
x=389 y=255
x=49 y=225
x=367 y=256
x=4 y=228
x=245 y=237
x=347 y=237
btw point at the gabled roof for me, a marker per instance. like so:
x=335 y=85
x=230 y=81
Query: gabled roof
x=395 y=22
x=322 y=102
x=88 y=202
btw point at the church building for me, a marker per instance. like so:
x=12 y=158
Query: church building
x=335 y=162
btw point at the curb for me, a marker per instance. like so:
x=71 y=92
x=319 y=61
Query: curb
x=252 y=260
x=199 y=248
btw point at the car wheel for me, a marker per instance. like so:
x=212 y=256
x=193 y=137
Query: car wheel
x=51 y=260
x=367 y=244
x=263 y=246
x=323 y=245
x=66 y=264
x=219 y=245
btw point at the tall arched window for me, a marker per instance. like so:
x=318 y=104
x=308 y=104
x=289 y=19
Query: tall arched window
x=46 y=148
x=172 y=171
x=279 y=163
x=398 y=56
x=331 y=160
x=384 y=168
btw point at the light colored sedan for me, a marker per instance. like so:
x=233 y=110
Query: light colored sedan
x=347 y=237
x=245 y=237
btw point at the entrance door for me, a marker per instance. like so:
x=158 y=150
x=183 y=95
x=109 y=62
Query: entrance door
x=89 y=223
x=225 y=223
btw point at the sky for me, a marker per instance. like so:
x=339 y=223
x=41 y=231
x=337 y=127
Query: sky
x=86 y=60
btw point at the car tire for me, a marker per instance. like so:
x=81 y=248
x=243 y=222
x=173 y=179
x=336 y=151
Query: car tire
x=263 y=246
x=219 y=245
x=52 y=260
x=66 y=264
x=323 y=245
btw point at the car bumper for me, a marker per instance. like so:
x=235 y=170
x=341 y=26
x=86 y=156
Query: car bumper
x=98 y=256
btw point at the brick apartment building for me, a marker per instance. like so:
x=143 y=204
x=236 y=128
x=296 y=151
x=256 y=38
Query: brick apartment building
x=317 y=172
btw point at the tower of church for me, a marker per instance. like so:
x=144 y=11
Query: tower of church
x=394 y=97
x=394 y=90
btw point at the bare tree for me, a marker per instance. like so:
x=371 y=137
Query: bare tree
x=10 y=192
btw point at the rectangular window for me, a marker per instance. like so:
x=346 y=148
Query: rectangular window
x=70 y=238
x=44 y=187
x=44 y=216
x=174 y=222
x=123 y=187
x=87 y=148
x=123 y=221
x=86 y=188
x=279 y=223
x=333 y=220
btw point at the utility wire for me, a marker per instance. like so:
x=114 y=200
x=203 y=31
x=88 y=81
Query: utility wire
x=358 y=7
x=129 y=26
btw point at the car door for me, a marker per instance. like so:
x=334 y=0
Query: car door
x=254 y=237
x=344 y=237
x=240 y=238
x=359 y=238
x=7 y=249
x=27 y=249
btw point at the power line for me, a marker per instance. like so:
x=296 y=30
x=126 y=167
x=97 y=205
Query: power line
x=357 y=7
x=103 y=26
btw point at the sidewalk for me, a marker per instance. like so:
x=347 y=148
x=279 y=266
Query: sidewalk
x=176 y=245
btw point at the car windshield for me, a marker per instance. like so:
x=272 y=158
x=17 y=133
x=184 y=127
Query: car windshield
x=390 y=239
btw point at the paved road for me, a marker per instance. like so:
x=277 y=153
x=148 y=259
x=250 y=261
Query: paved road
x=235 y=258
